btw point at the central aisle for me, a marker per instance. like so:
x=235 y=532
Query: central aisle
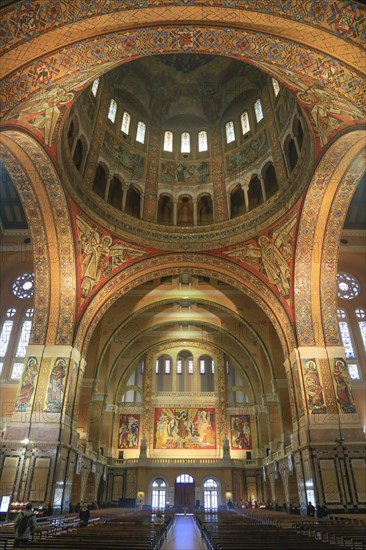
x=184 y=535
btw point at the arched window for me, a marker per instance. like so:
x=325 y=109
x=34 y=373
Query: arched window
x=361 y=316
x=206 y=369
x=210 y=490
x=276 y=87
x=78 y=154
x=230 y=131
x=245 y=124
x=6 y=332
x=140 y=132
x=158 y=494
x=185 y=143
x=112 y=111
x=185 y=368
x=255 y=196
x=165 y=210
x=126 y=121
x=95 y=86
x=115 y=194
x=184 y=478
x=133 y=202
x=270 y=180
x=349 y=348
x=204 y=210
x=237 y=202
x=202 y=141
x=168 y=141
x=258 y=110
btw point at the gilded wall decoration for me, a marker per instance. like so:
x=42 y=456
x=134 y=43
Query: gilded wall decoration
x=313 y=387
x=342 y=385
x=24 y=398
x=271 y=254
x=240 y=432
x=190 y=428
x=56 y=386
x=298 y=390
x=94 y=52
x=99 y=254
x=129 y=431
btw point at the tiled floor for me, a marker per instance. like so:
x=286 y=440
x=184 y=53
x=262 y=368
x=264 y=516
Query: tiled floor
x=184 y=535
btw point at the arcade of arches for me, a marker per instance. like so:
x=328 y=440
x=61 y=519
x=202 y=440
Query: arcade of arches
x=183 y=253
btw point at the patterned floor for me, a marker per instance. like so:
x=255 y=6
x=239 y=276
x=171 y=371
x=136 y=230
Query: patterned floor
x=184 y=535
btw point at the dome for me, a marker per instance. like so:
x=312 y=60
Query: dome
x=185 y=148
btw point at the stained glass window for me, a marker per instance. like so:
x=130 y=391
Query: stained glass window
x=140 y=133
x=112 y=110
x=185 y=142
x=212 y=367
x=348 y=287
x=245 y=125
x=258 y=110
x=230 y=132
x=202 y=141
x=190 y=366
x=346 y=339
x=179 y=366
x=157 y=367
x=202 y=366
x=353 y=371
x=16 y=373
x=5 y=337
x=24 y=339
x=276 y=87
x=23 y=286
x=95 y=87
x=126 y=121
x=168 y=141
x=167 y=366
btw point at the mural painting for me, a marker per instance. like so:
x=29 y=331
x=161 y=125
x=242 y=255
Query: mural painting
x=313 y=387
x=179 y=172
x=342 y=384
x=241 y=435
x=128 y=432
x=56 y=386
x=184 y=428
x=250 y=153
x=27 y=384
x=133 y=162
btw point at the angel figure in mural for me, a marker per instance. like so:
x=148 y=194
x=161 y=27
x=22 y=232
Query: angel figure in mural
x=101 y=255
x=274 y=253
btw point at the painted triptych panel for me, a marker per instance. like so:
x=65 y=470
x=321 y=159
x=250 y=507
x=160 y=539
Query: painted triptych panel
x=128 y=433
x=193 y=428
x=240 y=432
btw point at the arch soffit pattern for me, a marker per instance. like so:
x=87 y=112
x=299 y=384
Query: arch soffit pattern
x=335 y=23
x=44 y=202
x=212 y=305
x=75 y=65
x=336 y=171
x=198 y=264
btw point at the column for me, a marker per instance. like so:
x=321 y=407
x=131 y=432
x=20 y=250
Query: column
x=152 y=175
x=273 y=132
x=246 y=198
x=97 y=134
x=195 y=212
x=175 y=212
x=264 y=195
x=218 y=177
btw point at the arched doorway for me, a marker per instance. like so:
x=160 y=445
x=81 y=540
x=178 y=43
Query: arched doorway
x=184 y=493
x=210 y=491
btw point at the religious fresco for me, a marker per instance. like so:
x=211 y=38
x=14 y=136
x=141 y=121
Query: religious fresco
x=179 y=172
x=240 y=432
x=128 y=431
x=56 y=386
x=27 y=385
x=342 y=386
x=99 y=254
x=313 y=387
x=129 y=160
x=189 y=428
x=239 y=160
x=271 y=254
